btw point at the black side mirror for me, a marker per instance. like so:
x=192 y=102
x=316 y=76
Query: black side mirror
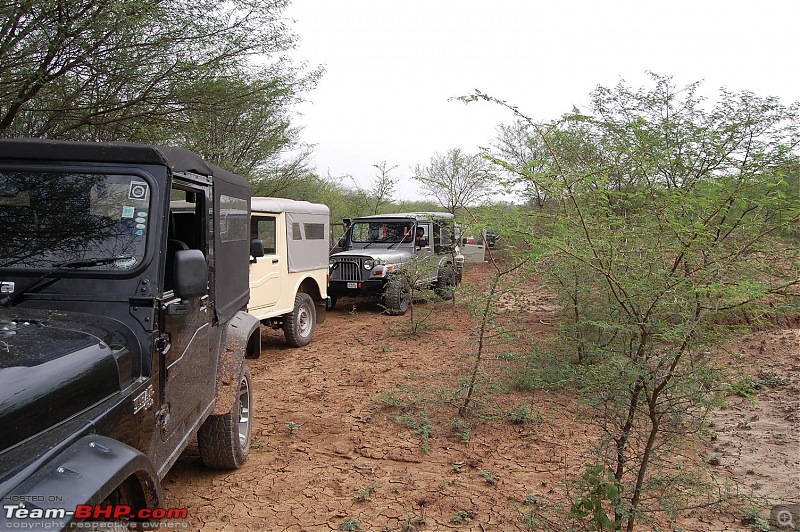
x=257 y=248
x=191 y=274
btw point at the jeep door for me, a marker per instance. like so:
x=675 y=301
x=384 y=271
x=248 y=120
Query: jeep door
x=425 y=254
x=188 y=369
x=265 y=272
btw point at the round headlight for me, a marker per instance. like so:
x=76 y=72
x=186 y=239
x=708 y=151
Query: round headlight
x=368 y=264
x=332 y=264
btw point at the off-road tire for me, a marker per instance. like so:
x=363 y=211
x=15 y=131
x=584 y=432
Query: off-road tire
x=397 y=296
x=446 y=283
x=129 y=494
x=300 y=323
x=224 y=440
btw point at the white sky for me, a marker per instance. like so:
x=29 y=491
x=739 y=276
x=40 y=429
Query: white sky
x=392 y=66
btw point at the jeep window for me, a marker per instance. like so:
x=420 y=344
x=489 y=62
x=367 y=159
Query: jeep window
x=296 y=234
x=314 y=231
x=264 y=228
x=389 y=232
x=233 y=218
x=49 y=218
x=186 y=226
x=443 y=237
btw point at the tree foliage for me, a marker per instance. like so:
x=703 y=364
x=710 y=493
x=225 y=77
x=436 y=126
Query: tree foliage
x=668 y=215
x=521 y=152
x=202 y=74
x=456 y=179
x=379 y=195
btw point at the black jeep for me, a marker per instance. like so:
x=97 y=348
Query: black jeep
x=123 y=332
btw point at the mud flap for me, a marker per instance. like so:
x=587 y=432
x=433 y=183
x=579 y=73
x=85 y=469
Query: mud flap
x=232 y=351
x=322 y=310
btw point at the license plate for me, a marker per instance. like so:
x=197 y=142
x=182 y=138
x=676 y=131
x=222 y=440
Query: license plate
x=352 y=285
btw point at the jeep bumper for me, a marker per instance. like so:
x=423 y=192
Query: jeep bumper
x=355 y=288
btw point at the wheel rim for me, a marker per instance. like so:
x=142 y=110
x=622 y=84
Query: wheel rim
x=304 y=320
x=244 y=413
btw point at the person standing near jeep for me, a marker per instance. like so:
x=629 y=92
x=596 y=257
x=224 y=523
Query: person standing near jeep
x=124 y=326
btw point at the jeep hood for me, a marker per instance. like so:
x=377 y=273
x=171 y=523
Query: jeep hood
x=49 y=372
x=388 y=256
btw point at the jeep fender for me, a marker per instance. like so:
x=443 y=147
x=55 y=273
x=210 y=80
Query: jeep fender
x=87 y=472
x=309 y=286
x=241 y=338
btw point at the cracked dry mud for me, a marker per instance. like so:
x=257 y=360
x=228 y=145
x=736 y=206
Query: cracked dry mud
x=324 y=453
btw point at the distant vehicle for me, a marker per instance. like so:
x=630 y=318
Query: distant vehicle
x=473 y=252
x=289 y=269
x=123 y=324
x=375 y=249
x=474 y=247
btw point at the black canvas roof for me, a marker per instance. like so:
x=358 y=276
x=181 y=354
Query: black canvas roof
x=178 y=159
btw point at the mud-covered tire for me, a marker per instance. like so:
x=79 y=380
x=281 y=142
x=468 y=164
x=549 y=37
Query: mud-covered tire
x=446 y=283
x=300 y=323
x=129 y=493
x=397 y=296
x=224 y=440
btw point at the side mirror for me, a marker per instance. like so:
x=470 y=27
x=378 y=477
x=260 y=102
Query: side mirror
x=191 y=274
x=347 y=222
x=257 y=248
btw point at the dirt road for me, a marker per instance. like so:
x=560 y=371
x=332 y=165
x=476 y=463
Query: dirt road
x=331 y=450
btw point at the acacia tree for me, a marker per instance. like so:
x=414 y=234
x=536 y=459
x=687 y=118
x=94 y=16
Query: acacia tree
x=160 y=71
x=521 y=152
x=241 y=122
x=383 y=187
x=671 y=213
x=455 y=179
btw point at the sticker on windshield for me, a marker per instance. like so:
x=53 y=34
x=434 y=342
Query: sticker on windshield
x=138 y=190
x=127 y=211
x=126 y=263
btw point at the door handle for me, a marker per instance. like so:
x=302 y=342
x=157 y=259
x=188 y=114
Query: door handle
x=274 y=261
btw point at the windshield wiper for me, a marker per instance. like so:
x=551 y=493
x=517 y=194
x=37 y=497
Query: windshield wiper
x=69 y=265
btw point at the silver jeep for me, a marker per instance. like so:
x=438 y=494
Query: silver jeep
x=376 y=254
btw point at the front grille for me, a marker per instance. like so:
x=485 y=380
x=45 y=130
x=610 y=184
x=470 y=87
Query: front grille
x=347 y=270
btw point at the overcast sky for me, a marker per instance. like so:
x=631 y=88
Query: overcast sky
x=392 y=67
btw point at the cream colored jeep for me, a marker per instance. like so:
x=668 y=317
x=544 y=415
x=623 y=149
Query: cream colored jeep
x=289 y=265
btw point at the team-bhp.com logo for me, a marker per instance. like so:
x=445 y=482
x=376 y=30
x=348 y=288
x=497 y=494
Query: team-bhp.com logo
x=88 y=512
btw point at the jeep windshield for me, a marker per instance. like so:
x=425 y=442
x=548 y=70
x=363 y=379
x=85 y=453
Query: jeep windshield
x=54 y=218
x=387 y=232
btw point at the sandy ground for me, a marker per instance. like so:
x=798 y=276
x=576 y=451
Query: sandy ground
x=331 y=450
